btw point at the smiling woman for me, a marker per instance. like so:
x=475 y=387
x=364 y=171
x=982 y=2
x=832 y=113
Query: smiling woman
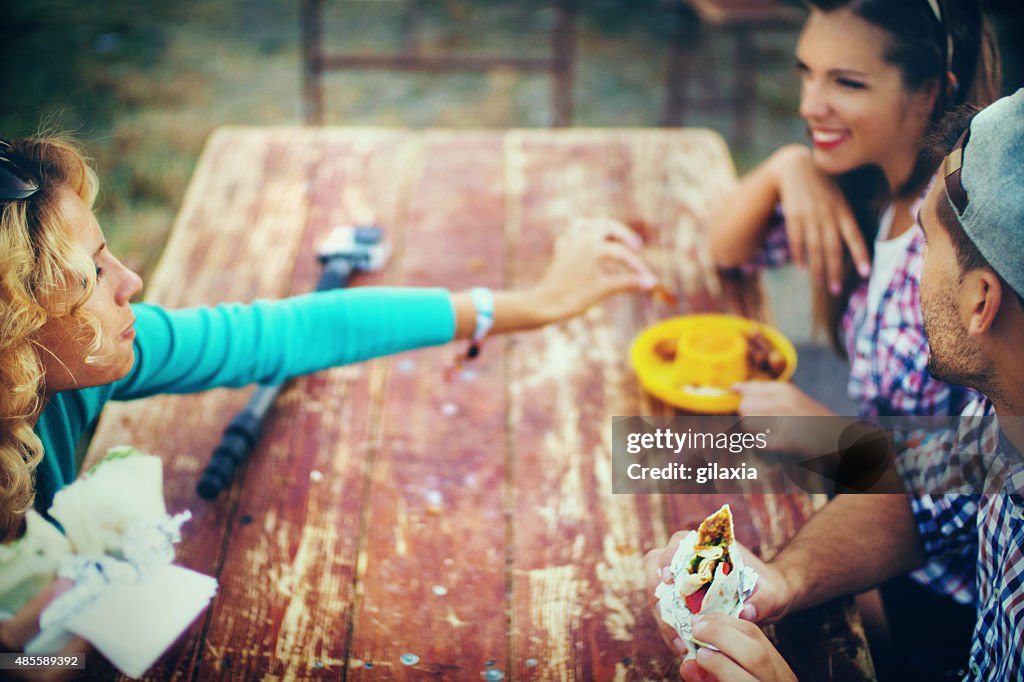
x=71 y=340
x=857 y=108
x=876 y=77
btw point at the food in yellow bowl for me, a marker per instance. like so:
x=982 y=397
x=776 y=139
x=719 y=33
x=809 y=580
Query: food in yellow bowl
x=764 y=361
x=692 y=361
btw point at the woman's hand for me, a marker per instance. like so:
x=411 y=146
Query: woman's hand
x=777 y=399
x=16 y=632
x=819 y=220
x=593 y=259
x=743 y=653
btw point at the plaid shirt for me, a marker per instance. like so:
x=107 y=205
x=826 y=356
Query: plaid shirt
x=887 y=347
x=888 y=353
x=988 y=528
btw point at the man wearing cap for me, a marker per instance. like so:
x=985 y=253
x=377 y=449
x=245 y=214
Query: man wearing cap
x=971 y=297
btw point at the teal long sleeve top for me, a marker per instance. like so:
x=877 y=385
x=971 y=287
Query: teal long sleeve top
x=192 y=350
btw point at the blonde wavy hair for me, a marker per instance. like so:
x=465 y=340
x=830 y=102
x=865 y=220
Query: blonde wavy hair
x=44 y=275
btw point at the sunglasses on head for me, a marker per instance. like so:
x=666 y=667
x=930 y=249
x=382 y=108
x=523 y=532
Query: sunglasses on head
x=951 y=170
x=15 y=181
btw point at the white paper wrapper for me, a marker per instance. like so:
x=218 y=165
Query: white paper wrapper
x=123 y=489
x=727 y=593
x=128 y=598
x=132 y=609
x=133 y=623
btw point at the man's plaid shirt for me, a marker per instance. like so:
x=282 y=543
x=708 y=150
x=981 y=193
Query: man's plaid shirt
x=984 y=526
x=888 y=353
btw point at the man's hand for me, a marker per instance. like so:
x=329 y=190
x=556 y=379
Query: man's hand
x=773 y=595
x=771 y=600
x=656 y=563
x=743 y=653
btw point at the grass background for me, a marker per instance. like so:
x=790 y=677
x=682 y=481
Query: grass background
x=142 y=83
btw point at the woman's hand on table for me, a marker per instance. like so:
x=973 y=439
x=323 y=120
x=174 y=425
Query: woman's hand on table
x=593 y=259
x=743 y=653
x=17 y=631
x=819 y=221
x=777 y=399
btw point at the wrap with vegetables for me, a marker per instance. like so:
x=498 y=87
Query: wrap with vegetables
x=127 y=598
x=124 y=488
x=707 y=575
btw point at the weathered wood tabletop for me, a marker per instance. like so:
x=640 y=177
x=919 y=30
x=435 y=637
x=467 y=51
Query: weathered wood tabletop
x=392 y=525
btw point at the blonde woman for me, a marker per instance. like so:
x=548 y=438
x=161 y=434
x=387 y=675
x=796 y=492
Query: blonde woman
x=71 y=340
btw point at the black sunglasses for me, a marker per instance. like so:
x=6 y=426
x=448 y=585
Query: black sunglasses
x=951 y=170
x=15 y=181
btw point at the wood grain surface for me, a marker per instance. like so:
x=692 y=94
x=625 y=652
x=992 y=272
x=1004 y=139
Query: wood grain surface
x=395 y=525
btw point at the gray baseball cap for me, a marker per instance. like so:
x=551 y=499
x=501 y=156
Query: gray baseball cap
x=985 y=185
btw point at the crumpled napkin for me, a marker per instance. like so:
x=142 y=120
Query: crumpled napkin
x=727 y=593
x=128 y=598
x=131 y=610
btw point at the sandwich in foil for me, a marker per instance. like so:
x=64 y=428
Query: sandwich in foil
x=707 y=575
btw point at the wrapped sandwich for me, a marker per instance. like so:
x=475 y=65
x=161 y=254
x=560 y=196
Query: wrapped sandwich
x=124 y=489
x=707 y=575
x=127 y=597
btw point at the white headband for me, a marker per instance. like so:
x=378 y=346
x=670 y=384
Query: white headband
x=937 y=10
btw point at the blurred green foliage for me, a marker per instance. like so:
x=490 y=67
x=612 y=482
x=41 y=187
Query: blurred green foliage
x=62 y=59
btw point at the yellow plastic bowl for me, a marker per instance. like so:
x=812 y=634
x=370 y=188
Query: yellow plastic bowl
x=661 y=377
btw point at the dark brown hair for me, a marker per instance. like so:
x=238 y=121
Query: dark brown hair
x=968 y=257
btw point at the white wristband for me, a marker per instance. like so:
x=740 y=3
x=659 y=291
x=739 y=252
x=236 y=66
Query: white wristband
x=483 y=301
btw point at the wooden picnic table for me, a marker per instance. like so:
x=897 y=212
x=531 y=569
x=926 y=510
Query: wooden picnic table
x=392 y=525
